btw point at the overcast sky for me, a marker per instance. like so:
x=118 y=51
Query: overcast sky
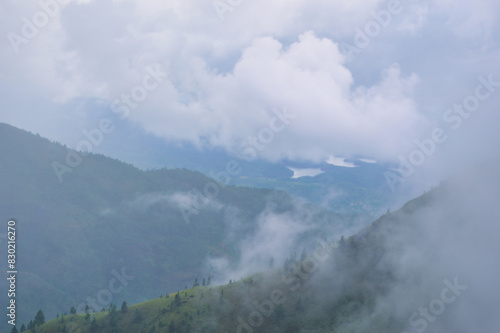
x=358 y=77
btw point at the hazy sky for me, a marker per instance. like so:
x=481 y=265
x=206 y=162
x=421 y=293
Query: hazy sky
x=357 y=77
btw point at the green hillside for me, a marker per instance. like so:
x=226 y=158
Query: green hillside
x=360 y=190
x=371 y=282
x=108 y=218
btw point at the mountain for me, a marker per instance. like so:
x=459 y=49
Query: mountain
x=92 y=230
x=352 y=186
x=430 y=266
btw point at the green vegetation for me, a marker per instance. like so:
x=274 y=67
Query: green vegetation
x=109 y=213
x=266 y=302
x=108 y=219
x=337 y=288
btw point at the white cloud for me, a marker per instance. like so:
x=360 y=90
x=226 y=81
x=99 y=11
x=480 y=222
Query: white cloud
x=276 y=236
x=298 y=172
x=340 y=161
x=225 y=77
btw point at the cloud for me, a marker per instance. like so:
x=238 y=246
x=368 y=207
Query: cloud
x=275 y=236
x=144 y=202
x=225 y=77
x=402 y=264
x=309 y=78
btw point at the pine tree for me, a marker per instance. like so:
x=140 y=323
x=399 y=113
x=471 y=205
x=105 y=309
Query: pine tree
x=203 y=281
x=14 y=330
x=23 y=328
x=208 y=281
x=298 y=305
x=93 y=325
x=39 y=318
x=195 y=284
x=293 y=258
x=112 y=315
x=72 y=310
x=124 y=307
x=303 y=256
x=177 y=299
x=280 y=312
x=271 y=262
x=138 y=317
x=112 y=308
x=171 y=327
x=342 y=242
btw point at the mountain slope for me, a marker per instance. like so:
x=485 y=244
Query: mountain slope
x=429 y=266
x=361 y=189
x=110 y=232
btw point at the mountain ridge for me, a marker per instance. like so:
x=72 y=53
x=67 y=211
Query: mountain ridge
x=107 y=216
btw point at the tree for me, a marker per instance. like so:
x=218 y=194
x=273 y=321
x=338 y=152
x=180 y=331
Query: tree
x=112 y=308
x=39 y=318
x=124 y=307
x=72 y=310
x=271 y=262
x=293 y=257
x=112 y=315
x=195 y=284
x=87 y=316
x=14 y=330
x=171 y=327
x=203 y=281
x=279 y=313
x=138 y=317
x=208 y=281
x=23 y=328
x=93 y=325
x=342 y=242
x=298 y=305
x=303 y=256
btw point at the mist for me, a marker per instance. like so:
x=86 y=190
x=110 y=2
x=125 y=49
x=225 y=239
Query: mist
x=431 y=266
x=277 y=236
